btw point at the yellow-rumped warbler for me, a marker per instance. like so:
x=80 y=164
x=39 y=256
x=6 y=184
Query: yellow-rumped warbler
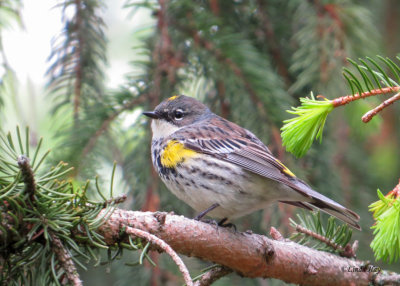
x=222 y=169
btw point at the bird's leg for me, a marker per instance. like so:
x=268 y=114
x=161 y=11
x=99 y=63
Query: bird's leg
x=203 y=213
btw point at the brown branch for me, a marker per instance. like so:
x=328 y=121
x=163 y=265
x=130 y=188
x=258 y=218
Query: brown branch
x=319 y=237
x=370 y=114
x=78 y=66
x=224 y=104
x=346 y=251
x=388 y=280
x=166 y=60
x=249 y=255
x=214 y=7
x=395 y=193
x=65 y=259
x=115 y=200
x=271 y=42
x=396 y=190
x=165 y=247
x=213 y=275
x=343 y=100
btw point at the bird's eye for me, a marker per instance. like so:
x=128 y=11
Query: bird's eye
x=178 y=114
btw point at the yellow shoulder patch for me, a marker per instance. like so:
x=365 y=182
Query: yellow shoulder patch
x=175 y=153
x=173 y=97
x=285 y=169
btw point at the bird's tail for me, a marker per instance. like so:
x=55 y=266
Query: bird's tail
x=316 y=200
x=339 y=211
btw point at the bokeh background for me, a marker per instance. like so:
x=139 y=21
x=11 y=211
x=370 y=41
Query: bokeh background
x=79 y=73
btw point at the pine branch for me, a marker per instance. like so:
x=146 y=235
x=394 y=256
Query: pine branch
x=66 y=261
x=370 y=114
x=344 y=251
x=76 y=79
x=165 y=58
x=333 y=237
x=334 y=30
x=213 y=275
x=262 y=257
x=77 y=57
x=271 y=41
x=165 y=247
x=39 y=210
x=340 y=101
x=299 y=132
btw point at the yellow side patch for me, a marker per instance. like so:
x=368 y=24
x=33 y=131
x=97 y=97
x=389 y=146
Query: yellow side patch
x=173 y=97
x=175 y=153
x=285 y=169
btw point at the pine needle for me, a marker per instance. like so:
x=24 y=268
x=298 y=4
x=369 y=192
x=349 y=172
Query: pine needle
x=299 y=132
x=386 y=243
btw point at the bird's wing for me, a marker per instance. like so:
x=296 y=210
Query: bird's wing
x=246 y=154
x=236 y=145
x=240 y=147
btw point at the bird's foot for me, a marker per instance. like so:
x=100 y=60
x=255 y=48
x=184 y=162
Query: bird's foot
x=223 y=223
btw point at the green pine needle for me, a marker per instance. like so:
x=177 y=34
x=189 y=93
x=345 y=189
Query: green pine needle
x=381 y=206
x=299 y=132
x=339 y=234
x=386 y=243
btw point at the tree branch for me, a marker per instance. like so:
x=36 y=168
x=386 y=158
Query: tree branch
x=368 y=116
x=165 y=247
x=213 y=275
x=269 y=39
x=79 y=62
x=343 y=100
x=249 y=255
x=66 y=261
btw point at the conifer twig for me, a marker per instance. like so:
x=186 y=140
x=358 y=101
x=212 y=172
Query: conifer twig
x=28 y=176
x=319 y=237
x=78 y=69
x=66 y=261
x=164 y=246
x=271 y=41
x=116 y=200
x=213 y=275
x=370 y=114
x=346 y=251
x=343 y=100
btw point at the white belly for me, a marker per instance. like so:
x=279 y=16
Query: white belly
x=237 y=191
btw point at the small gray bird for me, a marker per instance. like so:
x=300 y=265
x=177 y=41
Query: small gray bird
x=222 y=169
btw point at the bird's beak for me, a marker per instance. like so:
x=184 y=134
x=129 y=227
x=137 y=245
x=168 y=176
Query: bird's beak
x=151 y=114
